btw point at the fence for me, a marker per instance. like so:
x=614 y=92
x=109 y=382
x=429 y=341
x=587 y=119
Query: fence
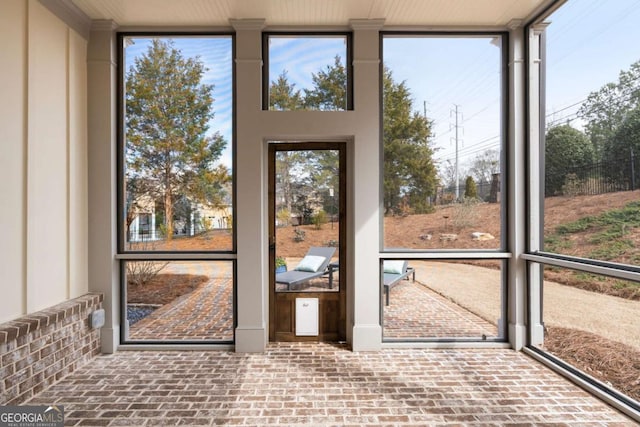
x=485 y=191
x=622 y=174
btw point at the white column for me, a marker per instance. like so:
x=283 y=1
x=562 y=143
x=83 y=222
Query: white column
x=536 y=179
x=103 y=268
x=251 y=225
x=364 y=198
x=153 y=225
x=516 y=281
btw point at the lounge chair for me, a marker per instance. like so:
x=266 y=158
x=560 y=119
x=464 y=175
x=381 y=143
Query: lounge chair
x=314 y=264
x=393 y=272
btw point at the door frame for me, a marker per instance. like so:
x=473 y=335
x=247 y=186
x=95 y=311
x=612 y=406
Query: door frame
x=310 y=145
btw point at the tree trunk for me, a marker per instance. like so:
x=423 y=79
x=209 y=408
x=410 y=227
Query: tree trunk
x=168 y=214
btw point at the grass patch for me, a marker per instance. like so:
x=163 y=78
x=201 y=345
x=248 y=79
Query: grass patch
x=556 y=243
x=583 y=224
x=613 y=221
x=602 y=237
x=611 y=250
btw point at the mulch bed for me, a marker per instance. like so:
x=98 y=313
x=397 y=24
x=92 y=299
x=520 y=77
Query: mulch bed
x=611 y=362
x=164 y=288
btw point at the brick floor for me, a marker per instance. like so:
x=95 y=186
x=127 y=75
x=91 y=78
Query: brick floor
x=415 y=311
x=324 y=384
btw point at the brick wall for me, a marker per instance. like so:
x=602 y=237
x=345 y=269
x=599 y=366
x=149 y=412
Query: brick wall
x=40 y=348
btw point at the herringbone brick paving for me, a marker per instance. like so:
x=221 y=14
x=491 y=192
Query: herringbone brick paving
x=324 y=384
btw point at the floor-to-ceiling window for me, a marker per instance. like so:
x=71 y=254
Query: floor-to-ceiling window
x=443 y=186
x=175 y=202
x=585 y=141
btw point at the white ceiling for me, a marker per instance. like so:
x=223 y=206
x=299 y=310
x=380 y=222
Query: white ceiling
x=430 y=13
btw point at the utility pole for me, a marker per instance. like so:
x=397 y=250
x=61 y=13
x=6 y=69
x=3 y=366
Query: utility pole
x=457 y=126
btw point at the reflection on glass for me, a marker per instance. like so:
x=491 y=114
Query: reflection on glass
x=177 y=144
x=307 y=220
x=591 y=322
x=179 y=300
x=438 y=299
x=442 y=141
x=308 y=72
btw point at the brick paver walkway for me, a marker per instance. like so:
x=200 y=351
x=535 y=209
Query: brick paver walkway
x=415 y=311
x=323 y=384
x=204 y=314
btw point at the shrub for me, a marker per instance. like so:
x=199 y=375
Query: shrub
x=284 y=217
x=572 y=185
x=141 y=272
x=207 y=223
x=465 y=213
x=470 y=189
x=319 y=219
x=299 y=235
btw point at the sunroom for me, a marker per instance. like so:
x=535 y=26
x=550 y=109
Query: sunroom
x=429 y=175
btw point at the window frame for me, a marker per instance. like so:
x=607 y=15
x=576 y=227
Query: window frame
x=122 y=255
x=503 y=253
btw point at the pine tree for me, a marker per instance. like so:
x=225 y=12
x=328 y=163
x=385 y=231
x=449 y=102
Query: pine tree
x=168 y=110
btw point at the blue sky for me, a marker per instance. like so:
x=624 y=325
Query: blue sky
x=217 y=55
x=301 y=57
x=444 y=72
x=589 y=43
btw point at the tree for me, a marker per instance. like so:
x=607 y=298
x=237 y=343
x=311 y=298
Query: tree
x=283 y=96
x=410 y=173
x=168 y=110
x=470 y=189
x=447 y=175
x=567 y=151
x=485 y=165
x=329 y=91
x=606 y=109
x=625 y=147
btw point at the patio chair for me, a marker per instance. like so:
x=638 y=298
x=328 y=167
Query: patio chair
x=314 y=264
x=393 y=272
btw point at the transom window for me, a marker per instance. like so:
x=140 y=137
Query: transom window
x=307 y=72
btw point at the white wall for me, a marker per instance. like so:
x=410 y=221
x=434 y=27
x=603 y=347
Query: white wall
x=43 y=166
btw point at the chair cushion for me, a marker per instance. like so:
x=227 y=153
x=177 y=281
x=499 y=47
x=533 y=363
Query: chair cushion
x=311 y=263
x=393 y=267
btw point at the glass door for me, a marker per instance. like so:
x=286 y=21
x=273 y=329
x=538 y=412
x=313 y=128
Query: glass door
x=306 y=243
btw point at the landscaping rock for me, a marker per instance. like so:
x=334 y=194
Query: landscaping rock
x=477 y=235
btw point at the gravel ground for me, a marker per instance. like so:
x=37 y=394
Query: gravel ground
x=478 y=290
x=137 y=313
